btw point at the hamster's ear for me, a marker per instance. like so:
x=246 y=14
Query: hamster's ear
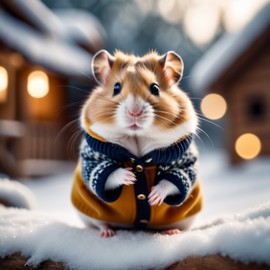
x=101 y=66
x=173 y=66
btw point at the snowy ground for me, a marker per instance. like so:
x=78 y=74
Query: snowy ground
x=227 y=191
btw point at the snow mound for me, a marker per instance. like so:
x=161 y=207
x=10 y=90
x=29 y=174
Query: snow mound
x=244 y=237
x=16 y=194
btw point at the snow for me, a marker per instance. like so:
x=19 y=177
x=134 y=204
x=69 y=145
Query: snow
x=44 y=50
x=42 y=237
x=38 y=15
x=226 y=50
x=16 y=194
x=235 y=222
x=82 y=26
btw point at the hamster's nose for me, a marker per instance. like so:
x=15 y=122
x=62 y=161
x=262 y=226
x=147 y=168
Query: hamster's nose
x=135 y=114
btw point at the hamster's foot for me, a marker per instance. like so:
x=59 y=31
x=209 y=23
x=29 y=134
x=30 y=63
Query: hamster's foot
x=171 y=232
x=107 y=232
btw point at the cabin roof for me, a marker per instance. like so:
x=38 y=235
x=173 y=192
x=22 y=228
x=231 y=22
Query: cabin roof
x=48 y=40
x=82 y=27
x=223 y=53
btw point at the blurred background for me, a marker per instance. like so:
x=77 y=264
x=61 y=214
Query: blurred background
x=45 y=54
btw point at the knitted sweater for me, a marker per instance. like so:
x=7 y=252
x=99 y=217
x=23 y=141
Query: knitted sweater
x=128 y=205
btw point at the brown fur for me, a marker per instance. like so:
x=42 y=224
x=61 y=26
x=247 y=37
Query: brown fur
x=136 y=75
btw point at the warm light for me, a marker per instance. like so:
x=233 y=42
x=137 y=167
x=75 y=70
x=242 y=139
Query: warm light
x=213 y=106
x=3 y=79
x=201 y=22
x=145 y=6
x=171 y=11
x=248 y=146
x=3 y=84
x=239 y=12
x=38 y=84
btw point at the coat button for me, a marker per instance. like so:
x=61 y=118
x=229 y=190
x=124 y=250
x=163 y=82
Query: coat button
x=141 y=197
x=132 y=160
x=144 y=221
x=139 y=168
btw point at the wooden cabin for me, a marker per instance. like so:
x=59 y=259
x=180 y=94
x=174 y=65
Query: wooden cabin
x=38 y=59
x=237 y=67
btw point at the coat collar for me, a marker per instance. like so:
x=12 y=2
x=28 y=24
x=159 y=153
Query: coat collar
x=120 y=154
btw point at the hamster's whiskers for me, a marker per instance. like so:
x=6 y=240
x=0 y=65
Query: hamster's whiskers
x=76 y=88
x=170 y=113
x=202 y=131
x=167 y=120
x=201 y=117
x=108 y=99
x=72 y=142
x=147 y=99
x=122 y=98
x=70 y=105
x=87 y=76
x=110 y=115
x=74 y=122
x=77 y=132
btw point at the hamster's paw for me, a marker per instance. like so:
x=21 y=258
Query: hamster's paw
x=107 y=232
x=120 y=177
x=171 y=232
x=161 y=191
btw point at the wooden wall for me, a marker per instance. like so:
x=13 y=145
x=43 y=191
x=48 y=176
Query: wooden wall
x=248 y=97
x=42 y=119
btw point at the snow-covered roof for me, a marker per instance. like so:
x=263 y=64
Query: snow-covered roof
x=61 y=41
x=82 y=27
x=48 y=51
x=226 y=50
x=37 y=15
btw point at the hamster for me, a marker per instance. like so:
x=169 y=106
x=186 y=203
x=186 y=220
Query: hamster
x=138 y=151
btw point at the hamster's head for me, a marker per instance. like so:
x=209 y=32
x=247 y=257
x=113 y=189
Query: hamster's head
x=138 y=96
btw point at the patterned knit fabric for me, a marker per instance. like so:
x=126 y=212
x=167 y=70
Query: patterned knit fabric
x=176 y=163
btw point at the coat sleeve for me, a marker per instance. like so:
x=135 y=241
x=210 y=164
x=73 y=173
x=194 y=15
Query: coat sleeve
x=182 y=173
x=95 y=169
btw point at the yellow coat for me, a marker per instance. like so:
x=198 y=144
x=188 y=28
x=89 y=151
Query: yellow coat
x=130 y=206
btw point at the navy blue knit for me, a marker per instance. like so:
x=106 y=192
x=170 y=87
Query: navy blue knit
x=176 y=163
x=118 y=153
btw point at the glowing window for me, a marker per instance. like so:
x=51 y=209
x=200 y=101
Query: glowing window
x=3 y=79
x=38 y=84
x=3 y=84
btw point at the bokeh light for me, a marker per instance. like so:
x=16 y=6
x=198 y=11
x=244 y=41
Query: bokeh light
x=239 y=12
x=248 y=146
x=3 y=79
x=38 y=84
x=171 y=11
x=201 y=23
x=213 y=106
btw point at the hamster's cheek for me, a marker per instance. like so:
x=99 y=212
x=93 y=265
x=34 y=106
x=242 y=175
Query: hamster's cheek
x=121 y=119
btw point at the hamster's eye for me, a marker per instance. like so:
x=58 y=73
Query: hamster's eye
x=117 y=88
x=154 y=89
